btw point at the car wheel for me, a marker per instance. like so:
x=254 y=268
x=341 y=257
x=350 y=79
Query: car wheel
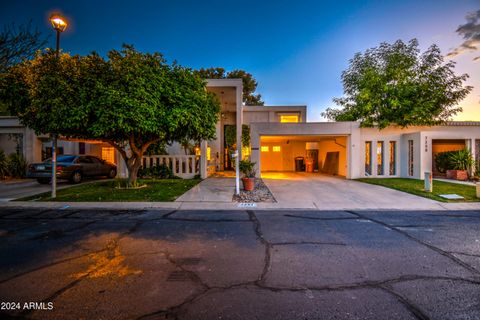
x=76 y=177
x=43 y=180
x=112 y=173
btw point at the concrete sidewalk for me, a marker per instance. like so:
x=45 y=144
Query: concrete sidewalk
x=294 y=191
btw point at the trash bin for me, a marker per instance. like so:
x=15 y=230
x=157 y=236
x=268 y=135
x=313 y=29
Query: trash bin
x=299 y=164
x=309 y=165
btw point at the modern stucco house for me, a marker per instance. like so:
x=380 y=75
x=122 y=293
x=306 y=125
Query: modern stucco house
x=279 y=136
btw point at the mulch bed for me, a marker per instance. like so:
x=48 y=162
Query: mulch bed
x=260 y=193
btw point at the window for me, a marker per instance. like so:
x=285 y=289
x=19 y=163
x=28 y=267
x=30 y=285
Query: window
x=410 y=157
x=81 y=148
x=209 y=153
x=65 y=158
x=393 y=156
x=264 y=149
x=84 y=160
x=94 y=159
x=48 y=152
x=380 y=158
x=108 y=154
x=289 y=118
x=276 y=148
x=368 y=158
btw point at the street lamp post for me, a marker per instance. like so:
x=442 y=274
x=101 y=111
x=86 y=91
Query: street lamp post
x=59 y=25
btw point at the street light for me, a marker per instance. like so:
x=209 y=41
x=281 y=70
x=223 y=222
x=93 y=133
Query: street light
x=59 y=24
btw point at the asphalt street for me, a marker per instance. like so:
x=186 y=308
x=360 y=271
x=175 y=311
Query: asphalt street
x=153 y=264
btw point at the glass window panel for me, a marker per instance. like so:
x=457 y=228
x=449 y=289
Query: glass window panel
x=289 y=118
x=108 y=154
x=410 y=157
x=393 y=157
x=368 y=158
x=380 y=158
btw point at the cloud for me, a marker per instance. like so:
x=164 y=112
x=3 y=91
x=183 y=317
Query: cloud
x=470 y=32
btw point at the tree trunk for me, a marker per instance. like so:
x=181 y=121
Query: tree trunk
x=133 y=164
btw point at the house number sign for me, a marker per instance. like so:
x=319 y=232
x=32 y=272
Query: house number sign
x=426 y=144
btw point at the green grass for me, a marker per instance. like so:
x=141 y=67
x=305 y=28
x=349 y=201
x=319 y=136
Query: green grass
x=415 y=187
x=156 y=190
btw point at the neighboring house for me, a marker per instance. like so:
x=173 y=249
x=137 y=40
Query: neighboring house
x=280 y=137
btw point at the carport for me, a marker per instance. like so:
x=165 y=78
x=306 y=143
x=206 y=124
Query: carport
x=304 y=153
x=325 y=147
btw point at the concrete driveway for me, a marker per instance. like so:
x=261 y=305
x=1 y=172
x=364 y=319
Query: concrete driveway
x=301 y=190
x=29 y=187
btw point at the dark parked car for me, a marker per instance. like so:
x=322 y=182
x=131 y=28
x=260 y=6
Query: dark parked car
x=73 y=168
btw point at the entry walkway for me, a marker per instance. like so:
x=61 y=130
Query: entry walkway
x=210 y=190
x=304 y=190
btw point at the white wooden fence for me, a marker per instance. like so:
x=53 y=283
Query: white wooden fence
x=182 y=166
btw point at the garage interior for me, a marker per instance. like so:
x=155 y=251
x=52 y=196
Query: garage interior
x=310 y=154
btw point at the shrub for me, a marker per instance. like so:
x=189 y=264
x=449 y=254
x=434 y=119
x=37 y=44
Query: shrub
x=461 y=160
x=3 y=165
x=161 y=171
x=17 y=165
x=477 y=169
x=247 y=168
x=454 y=160
x=442 y=161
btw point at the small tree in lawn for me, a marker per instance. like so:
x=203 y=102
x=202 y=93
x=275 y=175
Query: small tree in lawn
x=394 y=84
x=143 y=100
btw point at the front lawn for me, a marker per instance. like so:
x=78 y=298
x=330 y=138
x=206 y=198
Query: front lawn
x=415 y=187
x=156 y=190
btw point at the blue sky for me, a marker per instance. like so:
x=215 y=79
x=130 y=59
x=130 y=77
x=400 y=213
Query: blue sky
x=295 y=49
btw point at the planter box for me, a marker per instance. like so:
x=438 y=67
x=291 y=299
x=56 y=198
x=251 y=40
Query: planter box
x=248 y=184
x=457 y=175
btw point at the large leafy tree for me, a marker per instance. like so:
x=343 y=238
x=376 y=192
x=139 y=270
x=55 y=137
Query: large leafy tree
x=396 y=84
x=17 y=44
x=131 y=100
x=250 y=98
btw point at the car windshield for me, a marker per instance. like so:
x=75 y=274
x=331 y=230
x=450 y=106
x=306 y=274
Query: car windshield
x=63 y=159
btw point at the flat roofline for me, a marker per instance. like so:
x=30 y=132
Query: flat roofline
x=461 y=123
x=224 y=83
x=278 y=106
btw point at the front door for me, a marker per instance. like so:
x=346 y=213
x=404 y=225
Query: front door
x=229 y=137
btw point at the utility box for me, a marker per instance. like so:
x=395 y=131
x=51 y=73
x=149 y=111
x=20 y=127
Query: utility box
x=477 y=186
x=428 y=182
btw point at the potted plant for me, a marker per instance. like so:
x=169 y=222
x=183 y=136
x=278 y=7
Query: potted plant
x=247 y=168
x=460 y=162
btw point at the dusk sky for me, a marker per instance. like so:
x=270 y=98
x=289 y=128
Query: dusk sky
x=295 y=49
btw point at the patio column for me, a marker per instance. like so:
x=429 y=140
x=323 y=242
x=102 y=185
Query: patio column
x=203 y=159
x=239 y=122
x=472 y=147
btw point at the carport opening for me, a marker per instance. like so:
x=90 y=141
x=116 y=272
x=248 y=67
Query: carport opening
x=309 y=154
